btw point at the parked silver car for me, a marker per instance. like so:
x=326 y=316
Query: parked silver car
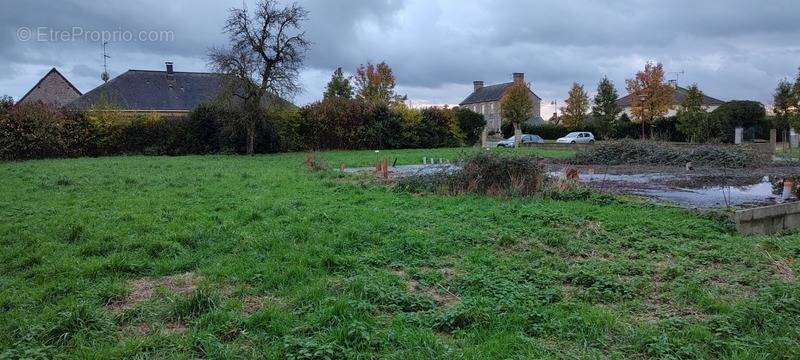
x=577 y=138
x=526 y=139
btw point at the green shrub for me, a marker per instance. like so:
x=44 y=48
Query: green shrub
x=653 y=153
x=485 y=174
x=383 y=128
x=471 y=125
x=35 y=131
x=438 y=128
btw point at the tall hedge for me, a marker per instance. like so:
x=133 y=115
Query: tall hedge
x=35 y=131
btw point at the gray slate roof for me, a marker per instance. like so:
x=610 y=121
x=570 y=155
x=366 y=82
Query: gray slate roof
x=146 y=90
x=489 y=93
x=678 y=96
x=154 y=90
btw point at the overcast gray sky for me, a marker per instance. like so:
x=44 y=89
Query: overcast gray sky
x=734 y=49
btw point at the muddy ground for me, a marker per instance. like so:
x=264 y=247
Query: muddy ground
x=698 y=187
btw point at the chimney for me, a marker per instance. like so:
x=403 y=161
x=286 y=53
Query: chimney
x=478 y=84
x=169 y=68
x=519 y=78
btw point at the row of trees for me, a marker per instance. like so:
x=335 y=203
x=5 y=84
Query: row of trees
x=650 y=100
x=364 y=111
x=347 y=118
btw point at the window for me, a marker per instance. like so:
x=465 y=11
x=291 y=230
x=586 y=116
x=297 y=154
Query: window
x=483 y=108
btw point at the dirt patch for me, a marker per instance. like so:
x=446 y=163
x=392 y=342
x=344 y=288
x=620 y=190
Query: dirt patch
x=143 y=329
x=441 y=296
x=783 y=269
x=568 y=292
x=731 y=289
x=657 y=308
x=143 y=289
x=252 y=303
x=175 y=327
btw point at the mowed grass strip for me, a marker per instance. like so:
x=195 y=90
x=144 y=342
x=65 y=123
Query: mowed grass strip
x=256 y=257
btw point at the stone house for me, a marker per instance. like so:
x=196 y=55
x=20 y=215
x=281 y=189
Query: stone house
x=485 y=100
x=53 y=89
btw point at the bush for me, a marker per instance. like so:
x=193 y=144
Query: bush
x=383 y=128
x=438 y=128
x=6 y=104
x=471 y=125
x=333 y=123
x=35 y=131
x=666 y=129
x=546 y=131
x=653 y=153
x=485 y=174
x=724 y=119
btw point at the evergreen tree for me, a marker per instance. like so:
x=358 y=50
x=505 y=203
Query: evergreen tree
x=785 y=105
x=605 y=110
x=574 y=114
x=339 y=86
x=692 y=116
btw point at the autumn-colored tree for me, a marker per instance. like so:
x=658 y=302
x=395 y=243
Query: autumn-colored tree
x=375 y=83
x=605 y=110
x=651 y=97
x=516 y=106
x=339 y=86
x=577 y=105
x=692 y=116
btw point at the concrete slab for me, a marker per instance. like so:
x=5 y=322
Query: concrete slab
x=768 y=219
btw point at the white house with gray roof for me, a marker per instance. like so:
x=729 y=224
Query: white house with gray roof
x=679 y=95
x=485 y=100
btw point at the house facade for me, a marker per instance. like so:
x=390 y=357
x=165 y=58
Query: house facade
x=678 y=97
x=53 y=89
x=485 y=100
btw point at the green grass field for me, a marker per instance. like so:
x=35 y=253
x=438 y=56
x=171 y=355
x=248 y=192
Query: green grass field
x=255 y=257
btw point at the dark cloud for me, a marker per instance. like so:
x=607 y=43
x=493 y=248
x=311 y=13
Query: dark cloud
x=734 y=49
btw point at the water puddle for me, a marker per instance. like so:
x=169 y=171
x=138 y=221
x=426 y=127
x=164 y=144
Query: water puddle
x=716 y=196
x=696 y=192
x=410 y=170
x=685 y=189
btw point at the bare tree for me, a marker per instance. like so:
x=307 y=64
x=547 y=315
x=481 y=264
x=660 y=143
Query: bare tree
x=266 y=52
